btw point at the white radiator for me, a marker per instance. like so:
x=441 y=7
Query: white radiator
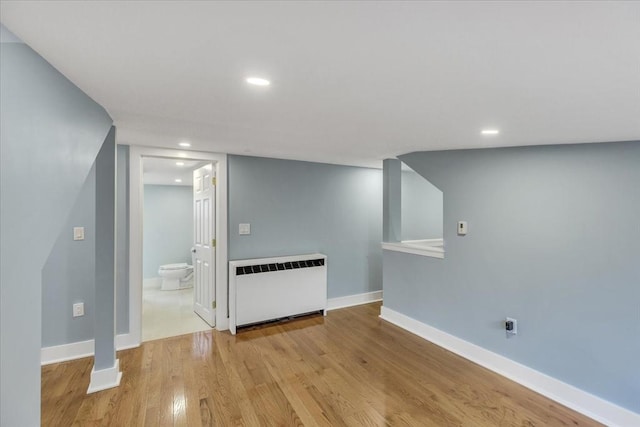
x=272 y=288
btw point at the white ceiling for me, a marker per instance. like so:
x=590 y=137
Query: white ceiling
x=161 y=171
x=352 y=82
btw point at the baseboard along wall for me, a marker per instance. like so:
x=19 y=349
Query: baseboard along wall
x=351 y=300
x=579 y=400
x=78 y=350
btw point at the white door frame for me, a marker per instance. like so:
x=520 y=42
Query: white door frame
x=136 y=154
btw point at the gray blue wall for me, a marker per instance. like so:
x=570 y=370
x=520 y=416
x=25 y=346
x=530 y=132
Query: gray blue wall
x=554 y=241
x=68 y=275
x=421 y=208
x=168 y=226
x=104 y=321
x=50 y=134
x=122 y=239
x=391 y=200
x=301 y=207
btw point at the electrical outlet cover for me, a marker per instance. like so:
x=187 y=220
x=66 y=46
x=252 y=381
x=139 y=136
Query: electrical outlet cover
x=78 y=309
x=244 y=229
x=462 y=228
x=514 y=331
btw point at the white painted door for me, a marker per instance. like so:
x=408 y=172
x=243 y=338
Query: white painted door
x=204 y=215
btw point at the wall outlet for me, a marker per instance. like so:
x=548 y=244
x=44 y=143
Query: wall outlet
x=78 y=309
x=511 y=326
x=244 y=229
x=462 y=228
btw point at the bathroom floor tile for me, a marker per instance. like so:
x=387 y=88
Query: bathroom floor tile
x=168 y=313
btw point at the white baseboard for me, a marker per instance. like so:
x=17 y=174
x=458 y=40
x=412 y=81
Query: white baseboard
x=78 y=350
x=62 y=353
x=563 y=393
x=126 y=341
x=103 y=379
x=351 y=300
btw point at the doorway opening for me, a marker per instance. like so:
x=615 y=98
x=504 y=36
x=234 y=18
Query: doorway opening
x=206 y=257
x=177 y=268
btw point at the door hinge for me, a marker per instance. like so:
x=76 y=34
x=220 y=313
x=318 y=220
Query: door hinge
x=213 y=181
x=213 y=305
x=213 y=243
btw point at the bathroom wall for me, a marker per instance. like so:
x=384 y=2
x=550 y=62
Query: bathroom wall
x=301 y=207
x=168 y=226
x=554 y=242
x=421 y=208
x=50 y=133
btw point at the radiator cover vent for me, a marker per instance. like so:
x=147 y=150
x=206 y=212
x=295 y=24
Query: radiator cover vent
x=279 y=266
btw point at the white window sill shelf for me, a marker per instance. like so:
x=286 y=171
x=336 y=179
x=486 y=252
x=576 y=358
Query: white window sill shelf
x=433 y=248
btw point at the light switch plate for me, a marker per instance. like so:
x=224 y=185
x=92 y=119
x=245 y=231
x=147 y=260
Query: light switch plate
x=78 y=233
x=244 y=229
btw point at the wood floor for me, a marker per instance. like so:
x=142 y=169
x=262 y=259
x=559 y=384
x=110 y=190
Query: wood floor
x=347 y=369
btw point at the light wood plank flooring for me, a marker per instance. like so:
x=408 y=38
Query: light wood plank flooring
x=346 y=369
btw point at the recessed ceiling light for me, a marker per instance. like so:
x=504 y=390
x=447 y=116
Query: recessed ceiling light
x=184 y=144
x=177 y=180
x=179 y=163
x=258 y=81
x=490 y=131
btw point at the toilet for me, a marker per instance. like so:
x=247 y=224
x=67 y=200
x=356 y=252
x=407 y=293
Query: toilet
x=176 y=276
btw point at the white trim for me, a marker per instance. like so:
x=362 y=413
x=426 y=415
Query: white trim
x=125 y=342
x=351 y=300
x=103 y=379
x=62 y=353
x=429 y=242
x=136 y=153
x=563 y=393
x=428 y=247
x=80 y=349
